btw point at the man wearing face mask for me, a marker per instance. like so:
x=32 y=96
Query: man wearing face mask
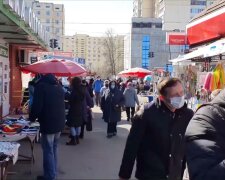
x=111 y=105
x=156 y=139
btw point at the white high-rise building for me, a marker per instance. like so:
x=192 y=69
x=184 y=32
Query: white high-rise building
x=52 y=17
x=144 y=8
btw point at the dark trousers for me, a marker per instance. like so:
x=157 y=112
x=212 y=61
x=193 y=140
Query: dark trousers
x=128 y=112
x=97 y=98
x=112 y=128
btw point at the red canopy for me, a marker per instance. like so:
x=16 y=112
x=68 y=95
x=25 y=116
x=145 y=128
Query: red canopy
x=56 y=67
x=135 y=72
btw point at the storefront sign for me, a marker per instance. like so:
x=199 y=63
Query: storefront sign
x=207 y=28
x=33 y=60
x=25 y=12
x=64 y=54
x=173 y=38
x=3 y=51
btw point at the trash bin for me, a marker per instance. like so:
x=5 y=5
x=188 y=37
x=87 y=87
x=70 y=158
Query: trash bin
x=150 y=98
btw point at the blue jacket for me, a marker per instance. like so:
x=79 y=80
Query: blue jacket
x=97 y=86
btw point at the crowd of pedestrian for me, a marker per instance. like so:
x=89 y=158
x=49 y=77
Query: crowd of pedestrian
x=165 y=134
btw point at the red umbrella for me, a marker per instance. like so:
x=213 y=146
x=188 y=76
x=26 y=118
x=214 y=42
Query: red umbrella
x=56 y=67
x=135 y=72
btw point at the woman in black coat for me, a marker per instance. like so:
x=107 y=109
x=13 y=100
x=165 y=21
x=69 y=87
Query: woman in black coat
x=87 y=112
x=111 y=106
x=75 y=116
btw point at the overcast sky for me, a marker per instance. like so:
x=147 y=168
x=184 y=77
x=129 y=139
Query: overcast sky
x=91 y=16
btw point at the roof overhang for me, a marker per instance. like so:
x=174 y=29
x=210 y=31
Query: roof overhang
x=15 y=31
x=213 y=49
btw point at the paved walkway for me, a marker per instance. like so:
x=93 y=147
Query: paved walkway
x=95 y=158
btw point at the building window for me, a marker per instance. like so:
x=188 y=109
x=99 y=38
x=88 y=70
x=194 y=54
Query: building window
x=197 y=2
x=47 y=6
x=145 y=51
x=141 y=25
x=48 y=21
x=57 y=21
x=38 y=6
x=58 y=14
x=57 y=8
x=57 y=30
x=47 y=13
x=158 y=25
x=39 y=13
x=48 y=29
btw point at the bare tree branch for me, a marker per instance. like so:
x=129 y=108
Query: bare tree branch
x=112 y=53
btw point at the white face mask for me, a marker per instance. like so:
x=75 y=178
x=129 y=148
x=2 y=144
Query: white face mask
x=113 y=86
x=177 y=102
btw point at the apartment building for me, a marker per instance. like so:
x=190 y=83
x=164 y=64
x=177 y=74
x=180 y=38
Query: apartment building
x=198 y=6
x=92 y=49
x=52 y=17
x=175 y=14
x=148 y=48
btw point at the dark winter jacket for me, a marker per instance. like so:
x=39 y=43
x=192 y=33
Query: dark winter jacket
x=111 y=104
x=156 y=141
x=48 y=105
x=79 y=100
x=205 y=138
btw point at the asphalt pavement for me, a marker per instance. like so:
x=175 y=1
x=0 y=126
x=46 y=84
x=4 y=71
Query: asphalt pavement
x=96 y=157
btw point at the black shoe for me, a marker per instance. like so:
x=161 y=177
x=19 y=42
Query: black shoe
x=109 y=136
x=72 y=141
x=40 y=178
x=81 y=136
x=77 y=140
x=128 y=119
x=114 y=134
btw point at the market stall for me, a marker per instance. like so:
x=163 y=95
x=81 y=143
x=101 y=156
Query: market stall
x=13 y=130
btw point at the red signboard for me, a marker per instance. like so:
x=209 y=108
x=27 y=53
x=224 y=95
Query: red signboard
x=177 y=39
x=207 y=28
x=64 y=54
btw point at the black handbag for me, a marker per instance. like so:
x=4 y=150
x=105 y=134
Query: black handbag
x=89 y=125
x=117 y=108
x=89 y=121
